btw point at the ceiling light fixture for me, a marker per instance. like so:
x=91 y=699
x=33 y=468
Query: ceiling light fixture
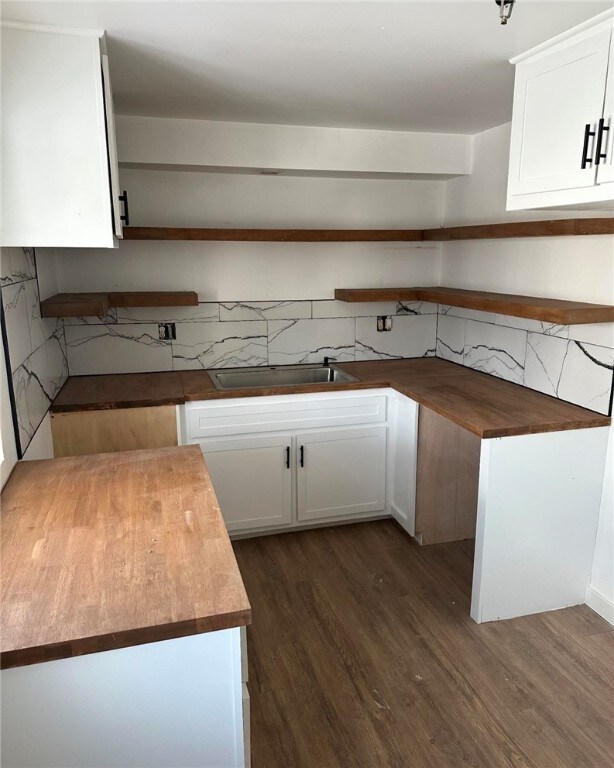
x=505 y=9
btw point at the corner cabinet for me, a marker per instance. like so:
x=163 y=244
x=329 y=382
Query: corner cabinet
x=562 y=147
x=59 y=160
x=287 y=461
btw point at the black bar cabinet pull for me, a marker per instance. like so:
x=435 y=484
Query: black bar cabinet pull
x=587 y=135
x=603 y=128
x=126 y=216
x=288 y=457
x=302 y=454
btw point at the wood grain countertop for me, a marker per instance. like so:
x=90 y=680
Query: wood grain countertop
x=487 y=406
x=113 y=550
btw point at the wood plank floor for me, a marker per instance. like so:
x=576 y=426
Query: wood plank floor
x=362 y=655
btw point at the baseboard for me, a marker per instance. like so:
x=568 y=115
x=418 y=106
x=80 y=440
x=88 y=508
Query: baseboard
x=600 y=604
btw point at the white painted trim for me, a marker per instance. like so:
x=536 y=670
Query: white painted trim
x=600 y=604
x=49 y=29
x=585 y=26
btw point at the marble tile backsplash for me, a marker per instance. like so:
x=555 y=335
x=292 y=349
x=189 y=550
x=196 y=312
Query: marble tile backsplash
x=573 y=363
x=37 y=347
x=231 y=334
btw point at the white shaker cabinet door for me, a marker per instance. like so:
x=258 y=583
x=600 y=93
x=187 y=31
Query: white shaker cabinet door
x=605 y=171
x=556 y=96
x=252 y=479
x=55 y=167
x=341 y=472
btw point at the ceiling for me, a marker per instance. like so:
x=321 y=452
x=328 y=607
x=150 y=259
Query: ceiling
x=419 y=65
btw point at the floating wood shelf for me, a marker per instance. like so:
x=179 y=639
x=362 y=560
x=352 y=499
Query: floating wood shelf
x=97 y=304
x=532 y=307
x=551 y=228
x=274 y=235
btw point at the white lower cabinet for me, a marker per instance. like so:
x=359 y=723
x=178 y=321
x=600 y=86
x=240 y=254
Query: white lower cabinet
x=341 y=472
x=266 y=478
x=252 y=477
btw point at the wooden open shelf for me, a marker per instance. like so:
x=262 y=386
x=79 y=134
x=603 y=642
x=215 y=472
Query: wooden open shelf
x=97 y=304
x=532 y=307
x=273 y=235
x=550 y=228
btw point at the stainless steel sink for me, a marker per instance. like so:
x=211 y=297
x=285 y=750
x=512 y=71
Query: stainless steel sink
x=278 y=376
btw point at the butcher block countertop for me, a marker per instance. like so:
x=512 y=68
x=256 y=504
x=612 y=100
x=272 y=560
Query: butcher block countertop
x=485 y=405
x=113 y=550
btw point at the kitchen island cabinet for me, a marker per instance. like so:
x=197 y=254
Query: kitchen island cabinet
x=122 y=614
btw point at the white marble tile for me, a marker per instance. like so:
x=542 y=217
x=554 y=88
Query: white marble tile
x=57 y=362
x=37 y=382
x=264 y=310
x=207 y=311
x=109 y=319
x=411 y=336
x=533 y=326
x=309 y=341
x=332 y=308
x=451 y=338
x=15 y=302
x=40 y=328
x=20 y=387
x=93 y=349
x=39 y=388
x=416 y=308
x=601 y=334
x=467 y=314
x=573 y=371
x=496 y=350
x=220 y=345
x=16 y=265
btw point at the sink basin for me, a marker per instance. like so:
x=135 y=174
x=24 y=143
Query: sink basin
x=278 y=376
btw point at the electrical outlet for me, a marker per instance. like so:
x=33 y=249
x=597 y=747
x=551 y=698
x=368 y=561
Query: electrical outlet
x=384 y=323
x=166 y=331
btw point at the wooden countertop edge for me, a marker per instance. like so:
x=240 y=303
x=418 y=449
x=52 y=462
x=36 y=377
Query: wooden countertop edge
x=128 y=638
x=117 y=405
x=599 y=420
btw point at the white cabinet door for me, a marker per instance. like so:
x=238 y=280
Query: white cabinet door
x=605 y=171
x=109 y=111
x=341 y=472
x=556 y=95
x=55 y=167
x=403 y=459
x=252 y=479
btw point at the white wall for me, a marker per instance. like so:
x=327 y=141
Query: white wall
x=580 y=268
x=170 y=141
x=250 y=271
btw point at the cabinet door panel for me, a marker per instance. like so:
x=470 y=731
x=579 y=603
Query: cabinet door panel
x=605 y=172
x=555 y=96
x=109 y=111
x=55 y=175
x=251 y=480
x=403 y=487
x=344 y=473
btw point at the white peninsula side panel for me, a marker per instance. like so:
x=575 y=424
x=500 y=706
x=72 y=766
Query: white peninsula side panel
x=171 y=703
x=538 y=509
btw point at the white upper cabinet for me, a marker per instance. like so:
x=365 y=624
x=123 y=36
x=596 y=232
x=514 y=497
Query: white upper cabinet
x=57 y=170
x=605 y=170
x=561 y=148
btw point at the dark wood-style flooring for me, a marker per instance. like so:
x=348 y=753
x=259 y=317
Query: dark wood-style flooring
x=362 y=654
